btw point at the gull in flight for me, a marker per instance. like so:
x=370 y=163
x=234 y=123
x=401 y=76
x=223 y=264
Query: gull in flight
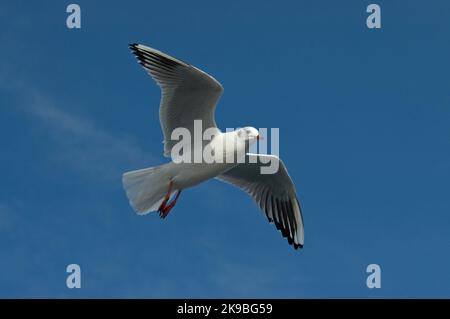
x=188 y=95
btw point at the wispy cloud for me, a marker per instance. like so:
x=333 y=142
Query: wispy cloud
x=78 y=141
x=83 y=144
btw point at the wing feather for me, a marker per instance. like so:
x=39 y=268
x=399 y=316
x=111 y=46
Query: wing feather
x=275 y=195
x=188 y=93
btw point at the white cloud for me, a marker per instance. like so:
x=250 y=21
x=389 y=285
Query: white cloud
x=78 y=141
x=87 y=146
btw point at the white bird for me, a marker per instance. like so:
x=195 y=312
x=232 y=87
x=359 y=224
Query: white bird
x=189 y=94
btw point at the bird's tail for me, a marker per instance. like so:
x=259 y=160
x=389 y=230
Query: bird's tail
x=146 y=188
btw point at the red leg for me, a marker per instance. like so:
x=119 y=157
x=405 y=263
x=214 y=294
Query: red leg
x=166 y=198
x=165 y=210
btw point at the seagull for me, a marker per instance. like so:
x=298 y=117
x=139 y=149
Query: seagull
x=188 y=95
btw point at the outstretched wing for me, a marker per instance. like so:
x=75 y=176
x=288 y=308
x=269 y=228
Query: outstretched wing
x=188 y=93
x=274 y=193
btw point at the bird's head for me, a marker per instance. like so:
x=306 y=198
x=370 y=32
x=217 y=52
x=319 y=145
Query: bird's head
x=249 y=134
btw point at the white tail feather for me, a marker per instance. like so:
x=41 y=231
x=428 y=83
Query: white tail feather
x=146 y=188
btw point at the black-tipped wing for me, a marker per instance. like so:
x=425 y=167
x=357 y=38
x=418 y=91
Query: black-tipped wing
x=188 y=93
x=274 y=193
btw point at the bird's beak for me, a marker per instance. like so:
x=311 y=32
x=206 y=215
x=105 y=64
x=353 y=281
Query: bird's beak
x=259 y=137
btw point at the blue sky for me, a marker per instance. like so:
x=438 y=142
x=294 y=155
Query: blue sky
x=364 y=130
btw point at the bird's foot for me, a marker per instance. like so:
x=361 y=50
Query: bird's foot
x=164 y=209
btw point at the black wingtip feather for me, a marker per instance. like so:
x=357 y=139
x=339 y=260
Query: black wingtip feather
x=152 y=59
x=282 y=210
